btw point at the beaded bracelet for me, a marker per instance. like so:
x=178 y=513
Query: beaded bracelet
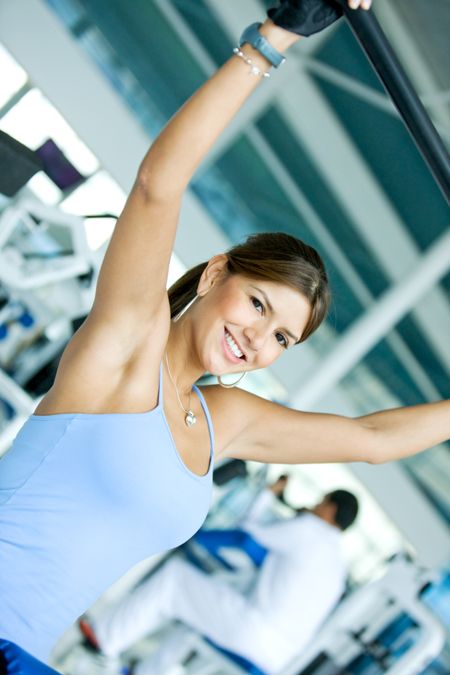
x=254 y=70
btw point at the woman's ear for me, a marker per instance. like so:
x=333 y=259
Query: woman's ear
x=214 y=270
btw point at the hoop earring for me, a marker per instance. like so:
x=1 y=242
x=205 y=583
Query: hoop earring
x=185 y=309
x=230 y=386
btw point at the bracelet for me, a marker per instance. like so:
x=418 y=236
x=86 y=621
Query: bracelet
x=254 y=70
x=253 y=37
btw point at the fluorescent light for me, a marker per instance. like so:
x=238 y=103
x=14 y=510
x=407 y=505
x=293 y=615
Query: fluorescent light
x=34 y=119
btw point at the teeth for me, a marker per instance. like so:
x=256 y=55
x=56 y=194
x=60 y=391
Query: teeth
x=233 y=346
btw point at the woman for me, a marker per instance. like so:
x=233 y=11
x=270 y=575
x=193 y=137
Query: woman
x=116 y=462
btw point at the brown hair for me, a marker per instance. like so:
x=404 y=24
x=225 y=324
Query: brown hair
x=272 y=256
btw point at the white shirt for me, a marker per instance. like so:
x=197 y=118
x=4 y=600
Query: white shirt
x=302 y=577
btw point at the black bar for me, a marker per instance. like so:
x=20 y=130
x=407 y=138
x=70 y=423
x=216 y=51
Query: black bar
x=386 y=64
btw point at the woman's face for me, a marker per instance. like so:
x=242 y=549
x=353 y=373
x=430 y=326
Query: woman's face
x=246 y=324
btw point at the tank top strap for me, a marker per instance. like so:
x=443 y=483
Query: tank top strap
x=208 y=419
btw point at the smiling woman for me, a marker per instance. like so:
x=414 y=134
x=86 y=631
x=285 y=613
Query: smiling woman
x=248 y=318
x=294 y=273
x=272 y=256
x=124 y=435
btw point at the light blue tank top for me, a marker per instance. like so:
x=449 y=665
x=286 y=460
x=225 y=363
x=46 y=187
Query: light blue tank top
x=83 y=497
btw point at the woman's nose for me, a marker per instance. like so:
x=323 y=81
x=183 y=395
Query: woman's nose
x=256 y=337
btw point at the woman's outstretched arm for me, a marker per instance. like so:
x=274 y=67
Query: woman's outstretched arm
x=132 y=282
x=272 y=433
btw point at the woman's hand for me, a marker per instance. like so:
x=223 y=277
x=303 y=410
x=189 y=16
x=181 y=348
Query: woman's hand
x=356 y=4
x=306 y=17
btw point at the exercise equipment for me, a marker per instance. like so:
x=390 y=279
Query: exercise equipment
x=16 y=661
x=382 y=627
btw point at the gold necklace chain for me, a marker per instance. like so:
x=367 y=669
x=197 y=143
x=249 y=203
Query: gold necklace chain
x=190 y=419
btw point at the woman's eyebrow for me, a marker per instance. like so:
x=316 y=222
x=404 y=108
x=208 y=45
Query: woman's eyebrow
x=269 y=305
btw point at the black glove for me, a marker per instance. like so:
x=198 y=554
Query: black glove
x=305 y=17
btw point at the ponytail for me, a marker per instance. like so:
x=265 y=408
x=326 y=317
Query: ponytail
x=185 y=289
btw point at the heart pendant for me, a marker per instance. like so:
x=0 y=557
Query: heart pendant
x=190 y=418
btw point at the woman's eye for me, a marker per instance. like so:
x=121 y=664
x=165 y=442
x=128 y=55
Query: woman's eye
x=259 y=306
x=282 y=340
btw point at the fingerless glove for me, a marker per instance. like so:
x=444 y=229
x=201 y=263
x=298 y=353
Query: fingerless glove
x=305 y=17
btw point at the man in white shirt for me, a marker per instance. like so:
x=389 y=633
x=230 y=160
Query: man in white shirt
x=300 y=581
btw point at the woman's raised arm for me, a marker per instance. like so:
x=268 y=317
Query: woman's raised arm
x=132 y=282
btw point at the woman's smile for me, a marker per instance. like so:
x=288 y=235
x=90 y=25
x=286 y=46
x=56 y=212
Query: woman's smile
x=231 y=348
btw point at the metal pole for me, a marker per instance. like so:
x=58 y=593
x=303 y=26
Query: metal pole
x=366 y=332
x=386 y=64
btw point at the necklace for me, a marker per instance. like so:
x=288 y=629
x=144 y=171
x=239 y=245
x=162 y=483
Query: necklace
x=190 y=419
